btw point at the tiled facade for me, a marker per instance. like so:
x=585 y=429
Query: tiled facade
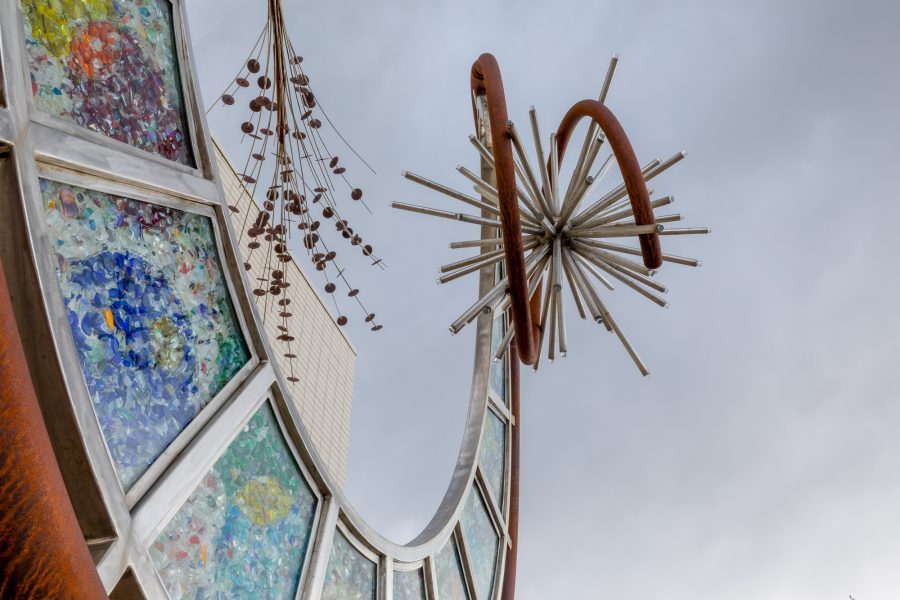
x=325 y=360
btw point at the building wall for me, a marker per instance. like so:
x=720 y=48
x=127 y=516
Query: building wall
x=325 y=360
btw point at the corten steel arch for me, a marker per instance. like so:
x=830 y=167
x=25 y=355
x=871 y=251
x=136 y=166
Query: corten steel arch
x=486 y=81
x=42 y=551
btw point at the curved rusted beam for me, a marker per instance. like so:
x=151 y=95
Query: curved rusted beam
x=486 y=81
x=42 y=550
x=628 y=165
x=512 y=526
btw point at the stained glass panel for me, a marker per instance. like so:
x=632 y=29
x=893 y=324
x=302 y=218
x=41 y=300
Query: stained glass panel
x=350 y=576
x=154 y=328
x=449 y=573
x=110 y=66
x=409 y=585
x=492 y=458
x=245 y=530
x=498 y=368
x=482 y=542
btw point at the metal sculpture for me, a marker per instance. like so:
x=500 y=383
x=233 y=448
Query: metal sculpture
x=285 y=125
x=566 y=244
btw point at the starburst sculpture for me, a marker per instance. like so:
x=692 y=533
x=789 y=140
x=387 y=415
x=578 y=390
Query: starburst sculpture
x=570 y=232
x=293 y=175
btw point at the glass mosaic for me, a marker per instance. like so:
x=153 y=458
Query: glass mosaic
x=482 y=542
x=449 y=572
x=350 y=576
x=110 y=66
x=155 y=331
x=409 y=585
x=498 y=368
x=492 y=458
x=245 y=530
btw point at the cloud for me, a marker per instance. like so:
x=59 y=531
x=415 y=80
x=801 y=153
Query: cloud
x=760 y=460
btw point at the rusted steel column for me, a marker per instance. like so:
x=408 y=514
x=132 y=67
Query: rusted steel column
x=628 y=165
x=486 y=81
x=42 y=551
x=512 y=551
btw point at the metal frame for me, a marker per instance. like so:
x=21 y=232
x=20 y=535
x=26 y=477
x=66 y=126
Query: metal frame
x=48 y=146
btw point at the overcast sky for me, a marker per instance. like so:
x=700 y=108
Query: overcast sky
x=761 y=460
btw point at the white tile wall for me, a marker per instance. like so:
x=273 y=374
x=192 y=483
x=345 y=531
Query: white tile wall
x=325 y=360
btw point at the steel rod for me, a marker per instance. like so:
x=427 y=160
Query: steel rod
x=491 y=294
x=476 y=243
x=471 y=260
x=450 y=192
x=504 y=342
x=626 y=212
x=557 y=264
x=494 y=259
x=616 y=231
x=542 y=162
x=611 y=197
x=687 y=231
x=621 y=277
x=593 y=271
x=680 y=260
x=612 y=258
x=561 y=326
x=604 y=90
x=572 y=286
x=554 y=176
x=523 y=159
x=587 y=290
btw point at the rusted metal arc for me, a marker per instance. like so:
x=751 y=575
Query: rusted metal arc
x=42 y=551
x=628 y=165
x=486 y=81
x=512 y=526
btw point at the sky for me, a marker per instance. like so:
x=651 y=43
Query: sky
x=760 y=460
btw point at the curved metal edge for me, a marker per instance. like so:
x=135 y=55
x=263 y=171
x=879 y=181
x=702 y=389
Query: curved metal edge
x=486 y=80
x=628 y=165
x=42 y=551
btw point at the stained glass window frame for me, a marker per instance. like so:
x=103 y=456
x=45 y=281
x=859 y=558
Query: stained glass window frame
x=79 y=394
x=178 y=483
x=197 y=151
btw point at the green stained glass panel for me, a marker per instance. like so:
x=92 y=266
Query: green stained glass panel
x=245 y=530
x=350 y=575
x=492 y=458
x=482 y=542
x=449 y=572
x=409 y=585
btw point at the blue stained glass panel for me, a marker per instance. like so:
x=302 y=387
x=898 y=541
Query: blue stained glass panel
x=154 y=329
